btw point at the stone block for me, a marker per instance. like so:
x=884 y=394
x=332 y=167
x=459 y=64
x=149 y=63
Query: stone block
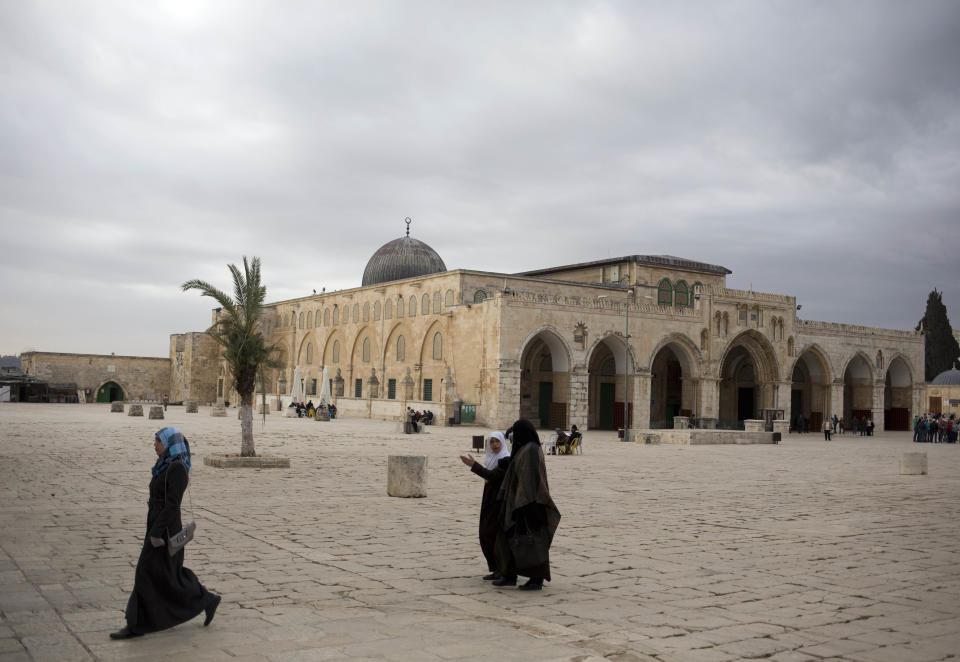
x=913 y=464
x=323 y=414
x=218 y=410
x=783 y=427
x=753 y=425
x=239 y=462
x=646 y=437
x=192 y=407
x=116 y=406
x=407 y=476
x=156 y=412
x=135 y=410
x=681 y=422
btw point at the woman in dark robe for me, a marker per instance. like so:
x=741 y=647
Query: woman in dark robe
x=164 y=592
x=526 y=507
x=494 y=467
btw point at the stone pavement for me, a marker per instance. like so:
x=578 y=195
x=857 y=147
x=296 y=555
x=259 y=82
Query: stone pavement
x=804 y=551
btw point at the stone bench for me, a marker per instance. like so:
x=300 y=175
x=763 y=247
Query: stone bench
x=407 y=476
x=156 y=412
x=116 y=407
x=192 y=407
x=135 y=410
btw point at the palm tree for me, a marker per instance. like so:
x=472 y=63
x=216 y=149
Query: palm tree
x=237 y=331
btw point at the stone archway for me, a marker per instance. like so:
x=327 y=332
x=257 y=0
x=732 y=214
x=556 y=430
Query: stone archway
x=897 y=396
x=857 y=390
x=109 y=392
x=606 y=385
x=748 y=377
x=673 y=383
x=810 y=389
x=545 y=381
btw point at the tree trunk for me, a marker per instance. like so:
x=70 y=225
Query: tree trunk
x=246 y=425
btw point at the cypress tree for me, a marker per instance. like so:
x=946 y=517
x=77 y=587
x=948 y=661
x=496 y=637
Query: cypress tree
x=941 y=347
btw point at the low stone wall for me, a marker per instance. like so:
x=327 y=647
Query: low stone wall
x=239 y=462
x=703 y=437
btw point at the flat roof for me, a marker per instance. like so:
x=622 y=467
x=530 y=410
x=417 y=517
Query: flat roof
x=653 y=260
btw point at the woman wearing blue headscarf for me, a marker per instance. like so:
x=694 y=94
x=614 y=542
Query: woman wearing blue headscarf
x=164 y=592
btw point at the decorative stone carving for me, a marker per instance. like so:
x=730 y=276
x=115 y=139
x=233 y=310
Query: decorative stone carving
x=156 y=412
x=407 y=476
x=135 y=410
x=913 y=464
x=192 y=407
x=373 y=384
x=407 y=384
x=116 y=407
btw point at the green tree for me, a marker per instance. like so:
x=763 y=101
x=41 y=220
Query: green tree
x=237 y=331
x=941 y=347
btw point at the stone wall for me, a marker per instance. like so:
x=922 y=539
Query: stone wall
x=141 y=378
x=193 y=367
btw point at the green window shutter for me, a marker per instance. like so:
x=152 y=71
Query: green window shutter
x=391 y=389
x=428 y=389
x=358 y=388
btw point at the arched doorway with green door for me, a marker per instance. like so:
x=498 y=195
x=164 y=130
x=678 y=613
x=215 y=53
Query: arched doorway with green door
x=109 y=392
x=545 y=380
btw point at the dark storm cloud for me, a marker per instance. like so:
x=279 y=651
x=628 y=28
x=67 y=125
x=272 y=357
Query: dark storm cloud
x=812 y=148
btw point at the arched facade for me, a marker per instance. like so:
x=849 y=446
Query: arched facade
x=674 y=380
x=749 y=375
x=545 y=379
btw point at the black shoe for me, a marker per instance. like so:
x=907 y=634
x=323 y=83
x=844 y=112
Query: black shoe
x=491 y=576
x=532 y=585
x=125 y=633
x=211 y=608
x=505 y=581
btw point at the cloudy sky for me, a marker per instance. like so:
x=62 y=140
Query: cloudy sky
x=811 y=147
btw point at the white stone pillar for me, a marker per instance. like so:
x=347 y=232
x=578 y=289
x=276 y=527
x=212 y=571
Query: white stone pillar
x=878 y=389
x=640 y=396
x=580 y=397
x=836 y=399
x=508 y=394
x=709 y=398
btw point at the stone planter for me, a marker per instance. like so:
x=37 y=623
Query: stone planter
x=239 y=462
x=218 y=410
x=156 y=412
x=407 y=476
x=753 y=425
x=192 y=407
x=781 y=426
x=116 y=407
x=135 y=410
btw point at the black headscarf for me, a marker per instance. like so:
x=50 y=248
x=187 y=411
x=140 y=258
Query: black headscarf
x=523 y=433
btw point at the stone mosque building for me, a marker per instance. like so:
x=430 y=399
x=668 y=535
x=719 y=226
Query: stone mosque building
x=656 y=336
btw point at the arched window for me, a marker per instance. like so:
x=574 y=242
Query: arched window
x=425 y=305
x=479 y=296
x=790 y=346
x=336 y=314
x=665 y=293
x=401 y=349
x=366 y=312
x=437 y=346
x=412 y=307
x=336 y=351
x=718 y=320
x=879 y=360
x=448 y=299
x=399 y=306
x=310 y=320
x=309 y=353
x=326 y=317
x=366 y=350
x=697 y=287
x=704 y=339
x=681 y=294
x=286 y=320
x=388 y=309
x=436 y=302
x=726 y=324
x=356 y=313
x=376 y=311
x=301 y=321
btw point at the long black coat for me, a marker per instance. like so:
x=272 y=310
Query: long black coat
x=164 y=592
x=490 y=508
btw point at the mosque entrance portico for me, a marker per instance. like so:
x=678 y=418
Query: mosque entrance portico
x=545 y=380
x=748 y=376
x=811 y=392
x=674 y=381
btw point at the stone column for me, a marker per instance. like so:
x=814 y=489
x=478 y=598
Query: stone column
x=447 y=397
x=508 y=394
x=836 y=399
x=878 y=389
x=709 y=399
x=688 y=396
x=640 y=395
x=580 y=397
x=782 y=399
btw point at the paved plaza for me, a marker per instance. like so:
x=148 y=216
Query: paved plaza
x=807 y=550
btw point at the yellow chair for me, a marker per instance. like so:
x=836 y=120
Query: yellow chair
x=576 y=444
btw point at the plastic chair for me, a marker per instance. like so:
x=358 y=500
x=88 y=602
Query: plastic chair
x=576 y=444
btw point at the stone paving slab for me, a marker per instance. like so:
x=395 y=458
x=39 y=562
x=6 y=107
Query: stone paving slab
x=807 y=550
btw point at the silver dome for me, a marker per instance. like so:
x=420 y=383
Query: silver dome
x=405 y=257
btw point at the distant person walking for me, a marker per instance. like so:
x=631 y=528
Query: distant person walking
x=164 y=592
x=827 y=428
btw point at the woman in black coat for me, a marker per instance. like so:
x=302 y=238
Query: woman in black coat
x=164 y=592
x=494 y=466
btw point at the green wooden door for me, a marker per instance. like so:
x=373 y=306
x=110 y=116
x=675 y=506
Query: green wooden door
x=605 y=417
x=546 y=397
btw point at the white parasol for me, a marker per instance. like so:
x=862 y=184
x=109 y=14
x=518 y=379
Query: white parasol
x=325 y=396
x=296 y=391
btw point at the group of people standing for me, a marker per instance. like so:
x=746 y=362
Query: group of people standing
x=836 y=425
x=935 y=429
x=518 y=518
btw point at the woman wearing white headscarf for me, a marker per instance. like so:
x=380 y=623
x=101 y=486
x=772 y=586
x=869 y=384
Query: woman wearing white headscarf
x=495 y=463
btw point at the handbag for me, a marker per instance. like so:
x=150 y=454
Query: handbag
x=178 y=540
x=529 y=549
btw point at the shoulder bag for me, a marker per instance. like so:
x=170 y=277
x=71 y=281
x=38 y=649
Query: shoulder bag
x=185 y=535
